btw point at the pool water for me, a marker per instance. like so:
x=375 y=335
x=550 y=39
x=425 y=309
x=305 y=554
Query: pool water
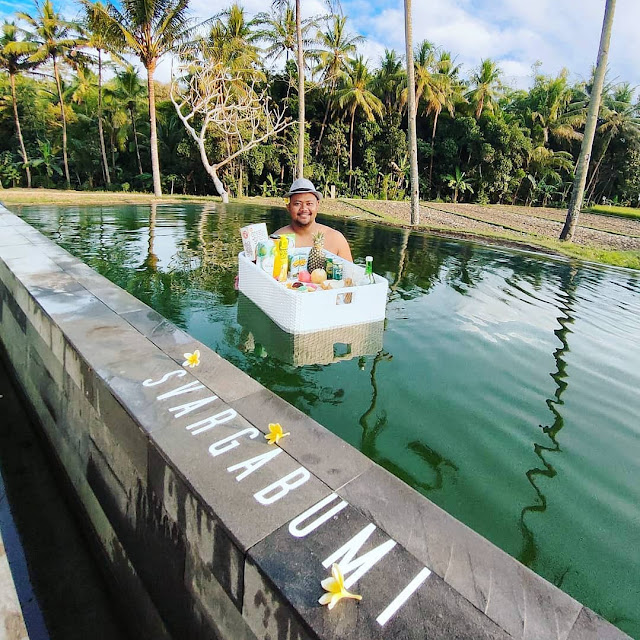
x=505 y=389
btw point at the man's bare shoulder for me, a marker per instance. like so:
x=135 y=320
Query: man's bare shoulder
x=330 y=231
x=287 y=229
x=335 y=242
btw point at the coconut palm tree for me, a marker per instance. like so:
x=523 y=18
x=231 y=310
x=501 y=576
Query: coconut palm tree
x=13 y=61
x=129 y=91
x=444 y=89
x=150 y=29
x=546 y=167
x=356 y=95
x=301 y=113
x=101 y=37
x=116 y=123
x=550 y=100
x=53 y=38
x=335 y=44
x=412 y=112
x=424 y=60
x=232 y=40
x=582 y=166
x=389 y=81
x=278 y=31
x=458 y=183
x=619 y=116
x=485 y=87
x=280 y=4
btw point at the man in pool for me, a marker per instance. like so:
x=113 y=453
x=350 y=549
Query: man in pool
x=303 y=206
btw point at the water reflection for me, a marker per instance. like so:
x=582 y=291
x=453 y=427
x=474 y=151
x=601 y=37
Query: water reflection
x=456 y=400
x=150 y=263
x=371 y=432
x=529 y=552
x=263 y=336
x=466 y=272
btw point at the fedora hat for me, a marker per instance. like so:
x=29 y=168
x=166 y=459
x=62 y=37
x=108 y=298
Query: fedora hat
x=302 y=185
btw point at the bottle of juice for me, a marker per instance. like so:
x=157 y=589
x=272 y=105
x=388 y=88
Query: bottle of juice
x=281 y=263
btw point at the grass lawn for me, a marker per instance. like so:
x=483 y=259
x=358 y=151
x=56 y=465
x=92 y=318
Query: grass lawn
x=610 y=210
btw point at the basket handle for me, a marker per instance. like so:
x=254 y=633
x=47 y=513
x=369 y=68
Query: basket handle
x=344 y=298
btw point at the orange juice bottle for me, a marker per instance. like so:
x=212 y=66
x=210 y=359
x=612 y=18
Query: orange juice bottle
x=281 y=263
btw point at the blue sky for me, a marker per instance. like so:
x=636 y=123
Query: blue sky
x=516 y=33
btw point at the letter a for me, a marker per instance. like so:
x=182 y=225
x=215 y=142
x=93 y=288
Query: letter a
x=254 y=463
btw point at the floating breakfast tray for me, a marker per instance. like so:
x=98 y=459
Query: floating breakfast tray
x=307 y=312
x=261 y=334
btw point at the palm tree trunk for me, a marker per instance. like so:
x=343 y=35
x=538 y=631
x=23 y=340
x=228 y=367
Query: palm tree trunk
x=135 y=138
x=103 y=149
x=23 y=150
x=324 y=124
x=64 y=123
x=411 y=115
x=353 y=117
x=326 y=115
x=112 y=142
x=600 y=159
x=301 y=117
x=515 y=195
x=590 y=127
x=433 y=145
x=153 y=138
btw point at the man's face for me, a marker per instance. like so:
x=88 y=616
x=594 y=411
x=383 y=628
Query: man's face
x=303 y=208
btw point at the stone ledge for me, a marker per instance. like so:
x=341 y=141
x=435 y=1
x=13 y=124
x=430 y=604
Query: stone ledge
x=233 y=518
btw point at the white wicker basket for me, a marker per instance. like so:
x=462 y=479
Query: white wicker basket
x=320 y=347
x=297 y=312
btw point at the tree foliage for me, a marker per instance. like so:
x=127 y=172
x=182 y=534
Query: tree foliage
x=62 y=122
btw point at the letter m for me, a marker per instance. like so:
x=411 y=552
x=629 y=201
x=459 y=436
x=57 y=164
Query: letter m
x=345 y=556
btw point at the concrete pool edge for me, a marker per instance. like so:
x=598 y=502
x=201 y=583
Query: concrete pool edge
x=209 y=527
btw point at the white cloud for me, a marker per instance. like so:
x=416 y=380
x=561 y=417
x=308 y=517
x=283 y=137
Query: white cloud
x=516 y=33
x=204 y=7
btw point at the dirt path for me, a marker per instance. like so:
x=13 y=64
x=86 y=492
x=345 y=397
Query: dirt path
x=606 y=232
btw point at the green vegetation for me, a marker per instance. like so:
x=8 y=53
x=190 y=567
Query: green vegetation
x=612 y=210
x=67 y=122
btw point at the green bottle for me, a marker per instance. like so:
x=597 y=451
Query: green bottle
x=368 y=277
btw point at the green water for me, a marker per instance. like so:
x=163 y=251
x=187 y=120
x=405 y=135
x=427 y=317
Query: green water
x=506 y=389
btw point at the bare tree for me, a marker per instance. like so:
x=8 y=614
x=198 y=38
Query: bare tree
x=212 y=101
x=590 y=127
